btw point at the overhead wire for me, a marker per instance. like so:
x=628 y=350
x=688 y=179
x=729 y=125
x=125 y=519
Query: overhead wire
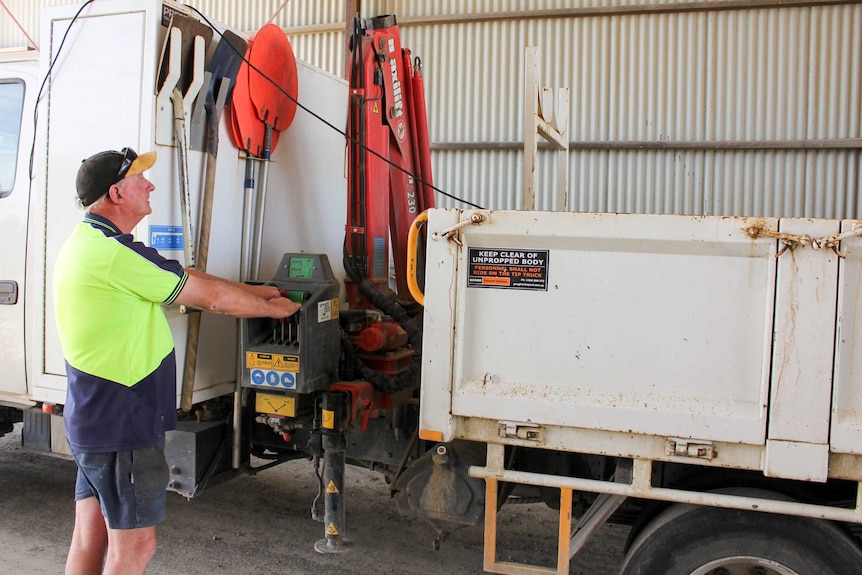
x=277 y=12
x=329 y=124
x=252 y=66
x=36 y=110
x=45 y=81
x=383 y=382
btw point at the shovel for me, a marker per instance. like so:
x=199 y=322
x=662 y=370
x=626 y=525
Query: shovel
x=222 y=71
x=224 y=67
x=273 y=87
x=190 y=29
x=178 y=64
x=248 y=135
x=223 y=63
x=249 y=132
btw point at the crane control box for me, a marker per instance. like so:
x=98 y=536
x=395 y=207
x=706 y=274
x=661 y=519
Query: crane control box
x=300 y=353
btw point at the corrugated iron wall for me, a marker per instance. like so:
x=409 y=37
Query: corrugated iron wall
x=747 y=112
x=699 y=108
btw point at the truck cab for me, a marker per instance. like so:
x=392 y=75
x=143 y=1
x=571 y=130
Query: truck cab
x=18 y=88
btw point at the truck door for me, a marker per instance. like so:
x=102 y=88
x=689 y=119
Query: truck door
x=94 y=100
x=17 y=81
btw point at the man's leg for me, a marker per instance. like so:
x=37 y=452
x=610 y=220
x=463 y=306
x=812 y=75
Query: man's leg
x=130 y=550
x=131 y=498
x=89 y=539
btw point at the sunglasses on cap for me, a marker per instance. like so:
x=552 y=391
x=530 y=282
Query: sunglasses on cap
x=129 y=157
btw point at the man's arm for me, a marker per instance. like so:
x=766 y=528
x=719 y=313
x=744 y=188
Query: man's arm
x=266 y=292
x=218 y=295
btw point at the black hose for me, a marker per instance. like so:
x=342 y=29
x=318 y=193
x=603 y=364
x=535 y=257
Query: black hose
x=386 y=383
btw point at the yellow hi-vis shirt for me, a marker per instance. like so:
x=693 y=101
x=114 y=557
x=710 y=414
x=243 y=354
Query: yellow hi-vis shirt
x=108 y=295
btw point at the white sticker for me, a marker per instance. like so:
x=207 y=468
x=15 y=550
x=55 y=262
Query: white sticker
x=324 y=311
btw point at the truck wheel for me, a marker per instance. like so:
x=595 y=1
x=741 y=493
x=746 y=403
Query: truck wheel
x=699 y=540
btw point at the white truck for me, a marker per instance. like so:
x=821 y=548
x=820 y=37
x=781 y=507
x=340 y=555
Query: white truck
x=694 y=377
x=705 y=366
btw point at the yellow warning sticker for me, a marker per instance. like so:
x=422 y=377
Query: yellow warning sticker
x=375 y=109
x=276 y=361
x=253 y=359
x=331 y=530
x=331 y=488
x=275 y=404
x=328 y=419
x=327 y=310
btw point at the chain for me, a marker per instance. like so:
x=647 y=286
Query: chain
x=792 y=241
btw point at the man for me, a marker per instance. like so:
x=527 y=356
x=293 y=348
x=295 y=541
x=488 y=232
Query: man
x=108 y=292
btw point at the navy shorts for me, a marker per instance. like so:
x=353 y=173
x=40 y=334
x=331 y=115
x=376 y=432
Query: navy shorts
x=130 y=485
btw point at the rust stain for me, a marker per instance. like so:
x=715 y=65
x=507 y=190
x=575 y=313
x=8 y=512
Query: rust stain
x=789 y=334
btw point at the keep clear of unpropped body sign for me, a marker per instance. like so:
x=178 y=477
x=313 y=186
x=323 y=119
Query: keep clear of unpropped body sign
x=508 y=269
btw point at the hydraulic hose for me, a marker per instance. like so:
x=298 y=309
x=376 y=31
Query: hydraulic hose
x=387 y=383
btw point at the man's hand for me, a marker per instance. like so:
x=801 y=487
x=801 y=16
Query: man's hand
x=265 y=292
x=284 y=306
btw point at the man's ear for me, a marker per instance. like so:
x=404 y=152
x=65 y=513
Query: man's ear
x=114 y=193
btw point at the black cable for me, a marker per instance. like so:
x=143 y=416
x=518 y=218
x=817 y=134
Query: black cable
x=384 y=383
x=39 y=97
x=42 y=87
x=331 y=126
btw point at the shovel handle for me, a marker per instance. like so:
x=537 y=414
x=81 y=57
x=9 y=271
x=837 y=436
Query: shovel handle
x=182 y=165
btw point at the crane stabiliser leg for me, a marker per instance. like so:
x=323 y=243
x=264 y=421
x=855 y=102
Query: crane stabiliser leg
x=333 y=418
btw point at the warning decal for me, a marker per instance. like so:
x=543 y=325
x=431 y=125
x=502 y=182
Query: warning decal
x=508 y=269
x=274 y=361
x=327 y=310
x=328 y=417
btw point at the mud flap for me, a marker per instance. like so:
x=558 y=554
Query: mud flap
x=437 y=488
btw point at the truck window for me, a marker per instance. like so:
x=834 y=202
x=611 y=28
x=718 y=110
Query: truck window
x=11 y=108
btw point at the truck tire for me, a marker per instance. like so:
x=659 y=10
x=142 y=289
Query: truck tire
x=699 y=540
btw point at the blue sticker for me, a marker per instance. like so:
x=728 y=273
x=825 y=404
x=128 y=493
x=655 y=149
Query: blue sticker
x=257 y=376
x=166 y=237
x=288 y=380
x=272 y=378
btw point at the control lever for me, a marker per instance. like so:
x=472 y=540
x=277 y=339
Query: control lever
x=282 y=293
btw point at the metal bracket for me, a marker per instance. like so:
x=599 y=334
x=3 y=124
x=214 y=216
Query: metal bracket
x=472 y=218
x=690 y=448
x=520 y=430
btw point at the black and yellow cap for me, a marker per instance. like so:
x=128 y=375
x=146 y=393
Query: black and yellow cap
x=101 y=171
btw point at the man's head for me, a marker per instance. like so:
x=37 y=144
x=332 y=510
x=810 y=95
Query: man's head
x=101 y=171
